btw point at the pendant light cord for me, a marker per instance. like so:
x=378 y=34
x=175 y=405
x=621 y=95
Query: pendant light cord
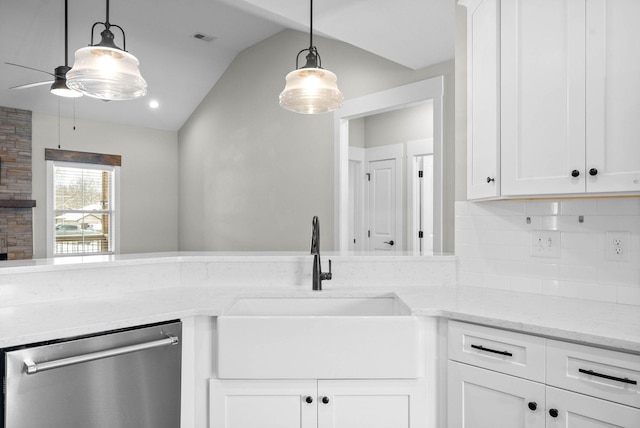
x=311 y=25
x=66 y=35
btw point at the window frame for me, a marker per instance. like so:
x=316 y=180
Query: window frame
x=114 y=211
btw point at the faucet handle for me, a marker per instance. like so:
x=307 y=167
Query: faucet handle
x=328 y=275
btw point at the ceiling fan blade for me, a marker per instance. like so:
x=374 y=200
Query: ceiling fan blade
x=29 y=68
x=31 y=85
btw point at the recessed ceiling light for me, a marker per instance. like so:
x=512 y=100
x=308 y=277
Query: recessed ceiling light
x=154 y=104
x=204 y=37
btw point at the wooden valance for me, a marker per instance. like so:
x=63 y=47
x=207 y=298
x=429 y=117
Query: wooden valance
x=82 y=157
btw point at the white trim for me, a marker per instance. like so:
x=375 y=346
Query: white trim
x=414 y=148
x=50 y=209
x=380 y=102
x=357 y=155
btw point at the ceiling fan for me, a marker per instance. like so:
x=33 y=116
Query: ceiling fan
x=59 y=83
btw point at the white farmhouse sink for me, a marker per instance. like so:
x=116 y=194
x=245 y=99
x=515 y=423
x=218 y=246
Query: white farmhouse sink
x=317 y=338
x=317 y=306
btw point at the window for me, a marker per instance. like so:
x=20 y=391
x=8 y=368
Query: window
x=82 y=204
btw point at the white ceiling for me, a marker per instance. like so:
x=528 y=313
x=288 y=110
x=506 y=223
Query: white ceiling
x=414 y=33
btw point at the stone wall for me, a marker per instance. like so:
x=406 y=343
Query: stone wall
x=16 y=224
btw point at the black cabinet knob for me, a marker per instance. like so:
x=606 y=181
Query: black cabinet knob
x=489 y=179
x=533 y=405
x=553 y=413
x=575 y=173
x=593 y=172
x=309 y=399
x=325 y=400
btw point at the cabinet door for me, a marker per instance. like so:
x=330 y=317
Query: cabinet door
x=613 y=86
x=371 y=403
x=542 y=96
x=479 y=398
x=483 y=98
x=581 y=411
x=262 y=404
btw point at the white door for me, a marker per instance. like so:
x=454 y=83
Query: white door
x=542 y=97
x=570 y=410
x=613 y=86
x=385 y=198
x=479 y=398
x=371 y=404
x=263 y=403
x=382 y=206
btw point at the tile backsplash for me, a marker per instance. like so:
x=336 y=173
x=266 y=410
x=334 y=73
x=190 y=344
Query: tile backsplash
x=498 y=246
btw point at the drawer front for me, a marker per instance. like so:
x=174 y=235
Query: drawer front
x=503 y=351
x=597 y=372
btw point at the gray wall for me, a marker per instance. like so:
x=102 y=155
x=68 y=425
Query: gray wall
x=148 y=178
x=399 y=126
x=252 y=175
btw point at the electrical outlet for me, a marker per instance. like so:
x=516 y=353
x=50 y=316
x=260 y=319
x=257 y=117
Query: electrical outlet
x=545 y=243
x=617 y=246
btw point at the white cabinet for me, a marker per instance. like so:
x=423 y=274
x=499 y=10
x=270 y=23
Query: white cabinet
x=317 y=403
x=580 y=386
x=481 y=398
x=483 y=98
x=550 y=83
x=570 y=410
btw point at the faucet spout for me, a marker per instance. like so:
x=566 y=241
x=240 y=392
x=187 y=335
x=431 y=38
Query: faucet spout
x=318 y=275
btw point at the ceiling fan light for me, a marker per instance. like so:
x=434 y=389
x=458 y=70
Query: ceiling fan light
x=106 y=73
x=311 y=91
x=59 y=86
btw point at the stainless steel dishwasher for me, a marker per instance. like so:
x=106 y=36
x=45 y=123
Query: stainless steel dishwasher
x=124 y=378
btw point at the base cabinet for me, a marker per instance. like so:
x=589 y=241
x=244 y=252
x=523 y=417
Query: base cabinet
x=317 y=403
x=480 y=398
x=566 y=385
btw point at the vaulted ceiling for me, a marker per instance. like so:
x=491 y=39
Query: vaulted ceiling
x=413 y=33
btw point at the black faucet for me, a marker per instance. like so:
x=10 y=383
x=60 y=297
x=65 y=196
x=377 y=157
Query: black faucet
x=318 y=275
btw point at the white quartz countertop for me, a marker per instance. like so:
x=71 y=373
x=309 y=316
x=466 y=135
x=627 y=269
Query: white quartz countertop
x=602 y=324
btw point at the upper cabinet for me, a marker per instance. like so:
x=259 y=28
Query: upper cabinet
x=553 y=105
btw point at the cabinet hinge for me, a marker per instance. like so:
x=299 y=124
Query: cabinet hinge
x=420 y=174
x=420 y=234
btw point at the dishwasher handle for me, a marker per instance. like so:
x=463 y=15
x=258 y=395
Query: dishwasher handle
x=33 y=368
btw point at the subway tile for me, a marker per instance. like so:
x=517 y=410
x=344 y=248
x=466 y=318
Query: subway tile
x=553 y=287
x=498 y=282
x=579 y=241
x=599 y=292
x=629 y=295
x=577 y=273
x=619 y=273
x=527 y=285
x=542 y=208
x=542 y=270
x=578 y=207
x=618 y=206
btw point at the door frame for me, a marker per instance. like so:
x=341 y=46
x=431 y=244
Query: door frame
x=422 y=147
x=380 y=102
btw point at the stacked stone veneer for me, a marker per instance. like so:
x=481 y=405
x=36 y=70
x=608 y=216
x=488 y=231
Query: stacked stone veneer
x=16 y=224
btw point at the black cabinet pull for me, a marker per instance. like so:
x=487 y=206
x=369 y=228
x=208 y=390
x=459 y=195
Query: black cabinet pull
x=604 y=376
x=593 y=172
x=575 y=173
x=309 y=399
x=553 y=413
x=325 y=400
x=494 y=351
x=489 y=179
x=533 y=405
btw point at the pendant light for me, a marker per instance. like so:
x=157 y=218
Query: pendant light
x=59 y=86
x=104 y=70
x=311 y=89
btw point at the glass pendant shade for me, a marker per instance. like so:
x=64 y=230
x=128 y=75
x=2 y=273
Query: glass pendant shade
x=310 y=91
x=106 y=73
x=59 y=86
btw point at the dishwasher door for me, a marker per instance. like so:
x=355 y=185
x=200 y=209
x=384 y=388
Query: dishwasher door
x=128 y=378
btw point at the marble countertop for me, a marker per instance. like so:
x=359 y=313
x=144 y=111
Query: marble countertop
x=601 y=324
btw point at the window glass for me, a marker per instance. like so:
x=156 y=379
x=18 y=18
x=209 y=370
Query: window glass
x=83 y=213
